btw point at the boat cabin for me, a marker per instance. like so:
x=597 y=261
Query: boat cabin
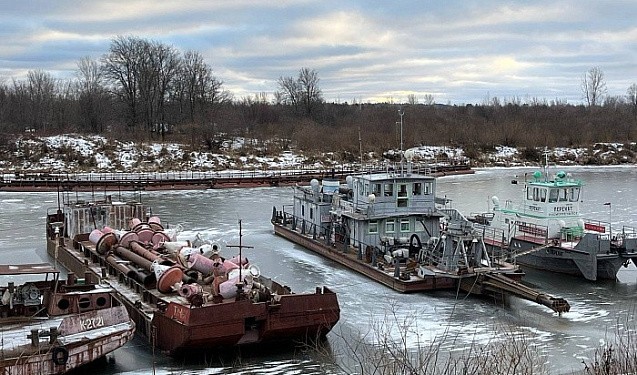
x=378 y=209
x=550 y=207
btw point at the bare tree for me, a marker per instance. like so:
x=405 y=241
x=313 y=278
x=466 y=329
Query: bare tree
x=631 y=97
x=311 y=93
x=412 y=99
x=121 y=68
x=200 y=94
x=41 y=90
x=166 y=63
x=301 y=92
x=593 y=86
x=142 y=73
x=429 y=99
x=92 y=96
x=290 y=91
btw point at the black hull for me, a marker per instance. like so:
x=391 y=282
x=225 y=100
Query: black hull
x=571 y=261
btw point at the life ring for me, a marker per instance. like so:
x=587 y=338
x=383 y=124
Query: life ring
x=59 y=355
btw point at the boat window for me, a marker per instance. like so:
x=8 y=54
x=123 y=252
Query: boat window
x=389 y=190
x=404 y=225
x=402 y=200
x=539 y=194
x=390 y=226
x=303 y=210
x=373 y=226
x=574 y=194
x=417 y=188
x=563 y=195
x=376 y=189
x=402 y=190
x=529 y=193
x=553 y=194
x=311 y=213
x=429 y=187
x=543 y=195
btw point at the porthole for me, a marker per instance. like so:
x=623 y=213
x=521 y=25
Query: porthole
x=63 y=304
x=84 y=303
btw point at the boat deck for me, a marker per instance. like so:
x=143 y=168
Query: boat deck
x=434 y=278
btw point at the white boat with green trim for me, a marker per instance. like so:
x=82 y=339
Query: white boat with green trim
x=548 y=232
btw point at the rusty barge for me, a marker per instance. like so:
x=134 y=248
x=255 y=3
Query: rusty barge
x=49 y=326
x=183 y=295
x=388 y=227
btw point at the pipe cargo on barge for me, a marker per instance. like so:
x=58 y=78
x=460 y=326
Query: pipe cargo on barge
x=180 y=293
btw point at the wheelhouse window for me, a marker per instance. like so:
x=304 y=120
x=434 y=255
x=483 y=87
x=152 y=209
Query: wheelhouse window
x=573 y=195
x=376 y=189
x=402 y=190
x=417 y=188
x=429 y=188
x=563 y=195
x=404 y=225
x=390 y=226
x=389 y=190
x=553 y=195
x=402 y=200
x=536 y=194
x=373 y=227
x=311 y=213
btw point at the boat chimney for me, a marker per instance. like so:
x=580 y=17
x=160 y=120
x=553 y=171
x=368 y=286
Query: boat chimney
x=71 y=279
x=409 y=155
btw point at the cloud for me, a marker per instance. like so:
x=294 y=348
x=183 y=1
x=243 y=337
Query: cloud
x=363 y=50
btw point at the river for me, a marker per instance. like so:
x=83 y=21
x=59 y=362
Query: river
x=455 y=321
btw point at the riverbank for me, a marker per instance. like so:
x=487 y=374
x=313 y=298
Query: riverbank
x=73 y=153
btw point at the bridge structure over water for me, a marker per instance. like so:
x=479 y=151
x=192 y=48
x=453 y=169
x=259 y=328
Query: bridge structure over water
x=185 y=180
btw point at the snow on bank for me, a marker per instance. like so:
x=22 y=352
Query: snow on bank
x=78 y=153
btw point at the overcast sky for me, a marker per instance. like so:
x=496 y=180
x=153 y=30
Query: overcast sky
x=372 y=51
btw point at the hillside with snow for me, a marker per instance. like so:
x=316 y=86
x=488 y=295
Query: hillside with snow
x=72 y=153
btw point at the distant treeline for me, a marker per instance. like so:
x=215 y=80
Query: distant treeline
x=143 y=90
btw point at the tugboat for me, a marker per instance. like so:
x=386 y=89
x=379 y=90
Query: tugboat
x=386 y=226
x=49 y=326
x=546 y=231
x=184 y=295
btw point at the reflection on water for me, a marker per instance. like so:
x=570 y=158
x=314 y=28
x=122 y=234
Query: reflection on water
x=456 y=319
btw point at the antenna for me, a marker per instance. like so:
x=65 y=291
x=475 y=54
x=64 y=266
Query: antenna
x=360 y=145
x=546 y=163
x=401 y=112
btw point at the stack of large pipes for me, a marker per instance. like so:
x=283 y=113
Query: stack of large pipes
x=131 y=246
x=170 y=263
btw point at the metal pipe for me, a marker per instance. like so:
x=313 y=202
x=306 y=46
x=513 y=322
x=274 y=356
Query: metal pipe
x=137 y=259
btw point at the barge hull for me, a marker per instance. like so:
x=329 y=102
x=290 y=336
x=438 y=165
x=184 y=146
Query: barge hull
x=350 y=261
x=174 y=326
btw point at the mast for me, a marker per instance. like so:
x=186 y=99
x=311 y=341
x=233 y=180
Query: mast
x=401 y=112
x=240 y=246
